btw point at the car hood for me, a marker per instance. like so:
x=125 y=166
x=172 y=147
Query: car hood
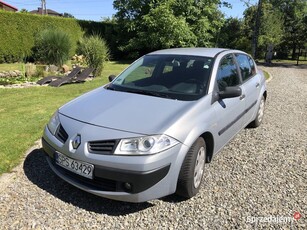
x=124 y=111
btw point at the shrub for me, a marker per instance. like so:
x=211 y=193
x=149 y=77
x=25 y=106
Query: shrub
x=40 y=71
x=52 y=47
x=18 y=33
x=108 y=30
x=30 y=69
x=95 y=51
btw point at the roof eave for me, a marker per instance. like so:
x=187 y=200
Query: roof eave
x=8 y=5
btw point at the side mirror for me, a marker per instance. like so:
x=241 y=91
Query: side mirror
x=111 y=77
x=230 y=92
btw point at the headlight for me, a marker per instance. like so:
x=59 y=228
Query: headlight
x=145 y=145
x=54 y=123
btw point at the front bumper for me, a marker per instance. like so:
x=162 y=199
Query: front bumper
x=110 y=179
x=124 y=178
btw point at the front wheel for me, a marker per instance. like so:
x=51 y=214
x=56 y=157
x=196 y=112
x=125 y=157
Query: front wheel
x=192 y=170
x=260 y=113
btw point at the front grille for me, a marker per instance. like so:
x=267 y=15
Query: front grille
x=102 y=147
x=61 y=134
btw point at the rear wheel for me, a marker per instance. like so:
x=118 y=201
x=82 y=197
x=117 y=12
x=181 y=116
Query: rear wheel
x=257 y=122
x=192 y=170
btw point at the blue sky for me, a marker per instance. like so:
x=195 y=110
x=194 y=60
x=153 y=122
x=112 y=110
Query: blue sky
x=97 y=9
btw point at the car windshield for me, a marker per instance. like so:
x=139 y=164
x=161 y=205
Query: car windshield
x=180 y=77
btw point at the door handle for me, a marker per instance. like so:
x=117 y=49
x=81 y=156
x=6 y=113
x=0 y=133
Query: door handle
x=257 y=85
x=242 y=96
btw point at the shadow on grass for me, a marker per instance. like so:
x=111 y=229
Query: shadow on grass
x=39 y=173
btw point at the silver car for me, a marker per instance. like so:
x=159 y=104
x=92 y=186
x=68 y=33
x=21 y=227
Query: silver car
x=150 y=131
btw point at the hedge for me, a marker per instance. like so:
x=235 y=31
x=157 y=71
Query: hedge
x=18 y=31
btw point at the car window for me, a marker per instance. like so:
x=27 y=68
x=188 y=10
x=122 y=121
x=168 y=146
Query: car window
x=227 y=74
x=145 y=70
x=170 y=66
x=247 y=66
x=252 y=64
x=183 y=77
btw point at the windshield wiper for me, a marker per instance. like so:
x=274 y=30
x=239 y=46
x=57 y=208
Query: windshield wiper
x=149 y=93
x=110 y=88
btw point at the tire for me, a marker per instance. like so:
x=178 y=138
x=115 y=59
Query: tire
x=192 y=170
x=260 y=113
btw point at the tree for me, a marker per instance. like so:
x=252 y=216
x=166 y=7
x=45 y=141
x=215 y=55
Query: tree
x=165 y=29
x=232 y=35
x=67 y=15
x=294 y=15
x=270 y=28
x=282 y=23
x=154 y=24
x=23 y=11
x=203 y=17
x=256 y=29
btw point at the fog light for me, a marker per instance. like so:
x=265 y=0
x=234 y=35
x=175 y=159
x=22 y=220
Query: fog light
x=127 y=186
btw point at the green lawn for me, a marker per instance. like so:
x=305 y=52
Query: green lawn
x=266 y=74
x=13 y=66
x=302 y=61
x=25 y=112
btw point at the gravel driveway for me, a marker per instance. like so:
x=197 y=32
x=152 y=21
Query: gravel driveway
x=257 y=182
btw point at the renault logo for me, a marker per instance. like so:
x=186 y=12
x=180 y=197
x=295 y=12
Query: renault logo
x=76 y=141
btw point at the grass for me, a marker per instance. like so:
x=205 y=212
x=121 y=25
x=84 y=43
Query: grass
x=301 y=61
x=266 y=74
x=11 y=66
x=25 y=112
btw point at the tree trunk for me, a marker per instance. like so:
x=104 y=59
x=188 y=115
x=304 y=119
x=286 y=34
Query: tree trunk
x=256 y=31
x=293 y=51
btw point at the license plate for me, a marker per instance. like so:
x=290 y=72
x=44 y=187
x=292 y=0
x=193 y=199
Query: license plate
x=78 y=167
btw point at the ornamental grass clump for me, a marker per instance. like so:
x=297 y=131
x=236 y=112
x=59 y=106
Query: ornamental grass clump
x=52 y=47
x=95 y=51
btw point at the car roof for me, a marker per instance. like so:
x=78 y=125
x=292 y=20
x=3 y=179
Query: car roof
x=205 y=52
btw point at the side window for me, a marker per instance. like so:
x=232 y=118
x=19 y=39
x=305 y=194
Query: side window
x=252 y=63
x=227 y=74
x=247 y=66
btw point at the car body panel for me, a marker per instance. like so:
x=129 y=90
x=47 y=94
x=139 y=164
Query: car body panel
x=126 y=111
x=208 y=52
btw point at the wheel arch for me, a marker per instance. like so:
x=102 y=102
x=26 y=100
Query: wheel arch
x=208 y=137
x=265 y=94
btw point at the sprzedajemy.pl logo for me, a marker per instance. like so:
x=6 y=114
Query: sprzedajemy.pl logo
x=274 y=219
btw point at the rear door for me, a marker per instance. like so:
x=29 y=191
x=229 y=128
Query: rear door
x=250 y=86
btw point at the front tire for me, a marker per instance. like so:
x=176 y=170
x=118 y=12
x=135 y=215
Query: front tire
x=192 y=170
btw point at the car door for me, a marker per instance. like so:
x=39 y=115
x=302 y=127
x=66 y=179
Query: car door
x=229 y=111
x=250 y=86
